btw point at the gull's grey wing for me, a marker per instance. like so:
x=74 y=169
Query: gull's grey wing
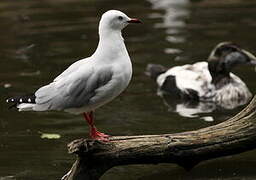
x=83 y=91
x=74 y=91
x=73 y=67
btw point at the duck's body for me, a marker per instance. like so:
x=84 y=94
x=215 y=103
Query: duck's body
x=209 y=81
x=195 y=82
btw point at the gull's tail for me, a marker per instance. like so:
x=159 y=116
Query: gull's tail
x=23 y=103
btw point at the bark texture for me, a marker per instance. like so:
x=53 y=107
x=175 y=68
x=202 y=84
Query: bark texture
x=187 y=149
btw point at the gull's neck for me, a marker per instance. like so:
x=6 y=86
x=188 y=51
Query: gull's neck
x=111 y=45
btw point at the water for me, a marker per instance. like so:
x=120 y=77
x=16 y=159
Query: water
x=39 y=39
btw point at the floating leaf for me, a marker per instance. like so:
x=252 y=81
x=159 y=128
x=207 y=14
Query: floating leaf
x=8 y=178
x=7 y=85
x=50 y=136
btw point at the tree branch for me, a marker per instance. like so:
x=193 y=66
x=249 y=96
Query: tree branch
x=187 y=149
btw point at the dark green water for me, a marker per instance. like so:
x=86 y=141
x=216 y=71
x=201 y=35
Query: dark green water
x=39 y=39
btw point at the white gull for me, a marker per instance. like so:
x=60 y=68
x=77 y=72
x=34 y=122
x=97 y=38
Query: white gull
x=91 y=82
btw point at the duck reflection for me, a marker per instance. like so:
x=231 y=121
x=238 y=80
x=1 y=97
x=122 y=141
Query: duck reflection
x=189 y=108
x=207 y=111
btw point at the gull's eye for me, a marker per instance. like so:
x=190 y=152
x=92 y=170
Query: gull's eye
x=120 y=18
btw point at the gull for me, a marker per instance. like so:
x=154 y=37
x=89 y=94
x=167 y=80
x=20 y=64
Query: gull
x=91 y=82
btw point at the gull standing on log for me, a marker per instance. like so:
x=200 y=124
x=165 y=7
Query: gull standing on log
x=91 y=82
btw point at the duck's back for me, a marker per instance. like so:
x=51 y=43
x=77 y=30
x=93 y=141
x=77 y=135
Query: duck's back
x=233 y=94
x=195 y=81
x=194 y=78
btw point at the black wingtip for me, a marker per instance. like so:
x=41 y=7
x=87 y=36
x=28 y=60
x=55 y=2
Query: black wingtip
x=21 y=99
x=10 y=100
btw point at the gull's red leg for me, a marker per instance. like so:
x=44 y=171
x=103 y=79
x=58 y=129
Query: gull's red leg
x=94 y=133
x=93 y=127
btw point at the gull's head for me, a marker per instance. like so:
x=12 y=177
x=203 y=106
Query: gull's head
x=115 y=20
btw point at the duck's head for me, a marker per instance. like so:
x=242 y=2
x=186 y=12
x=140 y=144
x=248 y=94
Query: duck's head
x=227 y=55
x=114 y=20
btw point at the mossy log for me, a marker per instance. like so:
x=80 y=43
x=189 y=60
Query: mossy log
x=187 y=149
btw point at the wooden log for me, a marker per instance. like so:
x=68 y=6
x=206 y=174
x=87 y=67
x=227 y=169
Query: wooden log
x=187 y=149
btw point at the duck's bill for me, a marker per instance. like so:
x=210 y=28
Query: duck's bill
x=134 y=20
x=251 y=57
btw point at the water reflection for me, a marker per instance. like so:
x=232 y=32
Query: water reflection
x=174 y=16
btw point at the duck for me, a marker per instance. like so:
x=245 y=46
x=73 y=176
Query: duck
x=207 y=81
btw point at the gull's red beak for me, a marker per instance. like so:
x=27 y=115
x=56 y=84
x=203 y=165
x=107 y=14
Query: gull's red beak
x=134 y=20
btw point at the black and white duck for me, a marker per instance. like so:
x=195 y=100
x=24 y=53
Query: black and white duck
x=210 y=81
